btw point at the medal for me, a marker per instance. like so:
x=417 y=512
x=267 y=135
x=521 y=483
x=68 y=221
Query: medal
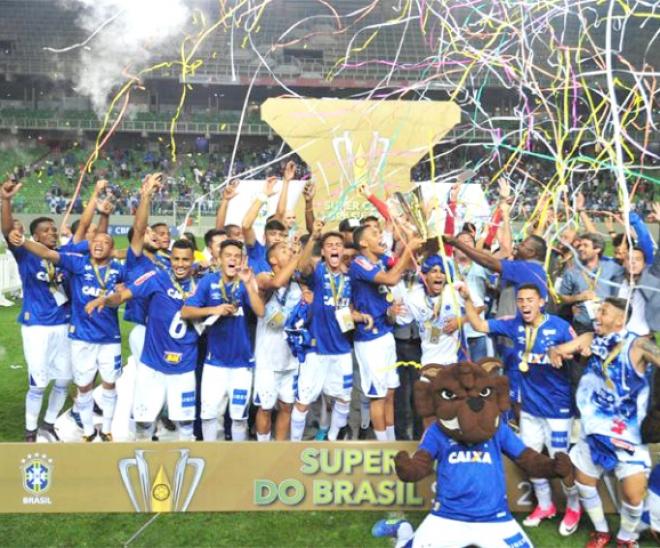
x=524 y=367
x=389 y=297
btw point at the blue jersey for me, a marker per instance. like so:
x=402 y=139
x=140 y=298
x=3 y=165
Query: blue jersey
x=324 y=327
x=72 y=247
x=471 y=484
x=88 y=283
x=170 y=343
x=257 y=258
x=41 y=281
x=654 y=480
x=545 y=390
x=228 y=339
x=136 y=266
x=370 y=297
x=613 y=399
x=519 y=272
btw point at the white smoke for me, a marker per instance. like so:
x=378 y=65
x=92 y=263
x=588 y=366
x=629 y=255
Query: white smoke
x=135 y=34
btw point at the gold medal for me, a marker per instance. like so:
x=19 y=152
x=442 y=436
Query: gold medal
x=389 y=297
x=524 y=367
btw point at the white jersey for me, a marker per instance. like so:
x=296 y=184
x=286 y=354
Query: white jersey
x=431 y=314
x=271 y=349
x=613 y=399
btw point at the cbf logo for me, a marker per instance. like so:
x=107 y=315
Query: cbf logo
x=37 y=478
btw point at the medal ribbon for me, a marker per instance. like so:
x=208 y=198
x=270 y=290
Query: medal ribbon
x=103 y=282
x=336 y=292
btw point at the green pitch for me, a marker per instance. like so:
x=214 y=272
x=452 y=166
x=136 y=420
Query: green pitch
x=300 y=529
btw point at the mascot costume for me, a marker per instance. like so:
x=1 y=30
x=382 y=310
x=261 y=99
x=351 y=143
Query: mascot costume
x=467 y=440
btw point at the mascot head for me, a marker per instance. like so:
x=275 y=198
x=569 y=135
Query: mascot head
x=466 y=398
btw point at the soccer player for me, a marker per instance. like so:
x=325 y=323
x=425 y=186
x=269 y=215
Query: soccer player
x=328 y=367
x=612 y=397
x=547 y=409
x=375 y=349
x=163 y=238
x=44 y=319
x=436 y=306
x=166 y=367
x=223 y=300
x=95 y=341
x=276 y=370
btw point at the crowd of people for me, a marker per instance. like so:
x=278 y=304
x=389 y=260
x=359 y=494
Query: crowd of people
x=252 y=331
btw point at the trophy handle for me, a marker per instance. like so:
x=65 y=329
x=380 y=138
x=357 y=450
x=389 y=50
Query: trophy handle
x=124 y=466
x=198 y=464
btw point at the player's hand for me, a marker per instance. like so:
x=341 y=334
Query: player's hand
x=152 y=182
x=563 y=467
x=450 y=325
x=367 y=320
x=309 y=191
x=225 y=310
x=317 y=228
x=463 y=290
x=415 y=244
x=97 y=304
x=231 y=190
x=9 y=189
x=100 y=186
x=503 y=189
x=396 y=309
x=245 y=274
x=105 y=207
x=588 y=295
x=454 y=192
x=290 y=170
x=556 y=358
x=15 y=238
x=363 y=189
x=269 y=189
x=579 y=202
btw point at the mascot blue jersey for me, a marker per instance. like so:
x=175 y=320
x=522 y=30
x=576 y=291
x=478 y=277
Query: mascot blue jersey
x=471 y=484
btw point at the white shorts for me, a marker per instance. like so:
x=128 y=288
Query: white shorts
x=153 y=388
x=225 y=385
x=47 y=353
x=377 y=361
x=332 y=375
x=271 y=386
x=136 y=341
x=88 y=358
x=437 y=532
x=540 y=432
x=639 y=461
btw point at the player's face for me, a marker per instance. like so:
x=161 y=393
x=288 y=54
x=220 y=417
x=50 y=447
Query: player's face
x=529 y=304
x=289 y=219
x=91 y=232
x=634 y=262
x=163 y=236
x=282 y=255
x=101 y=247
x=587 y=251
x=274 y=237
x=332 y=251
x=465 y=239
x=525 y=250
x=215 y=245
x=609 y=319
x=46 y=234
x=151 y=241
x=231 y=258
x=372 y=239
x=372 y=224
x=235 y=233
x=348 y=255
x=435 y=280
x=182 y=261
x=18 y=226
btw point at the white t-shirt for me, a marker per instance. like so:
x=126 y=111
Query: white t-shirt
x=637 y=323
x=477 y=280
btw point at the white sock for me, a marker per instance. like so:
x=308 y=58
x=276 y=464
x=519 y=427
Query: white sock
x=239 y=430
x=572 y=497
x=381 y=435
x=144 y=431
x=263 y=437
x=593 y=506
x=86 y=410
x=33 y=400
x=108 y=402
x=339 y=419
x=365 y=412
x=210 y=429
x=324 y=419
x=630 y=518
x=185 y=430
x=298 y=419
x=404 y=533
x=56 y=401
x=542 y=492
x=389 y=430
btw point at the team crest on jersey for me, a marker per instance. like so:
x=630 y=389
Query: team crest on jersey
x=37 y=472
x=364 y=263
x=459 y=457
x=144 y=277
x=173 y=357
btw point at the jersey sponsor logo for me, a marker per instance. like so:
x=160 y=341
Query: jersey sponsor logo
x=459 y=457
x=91 y=291
x=37 y=475
x=188 y=399
x=172 y=357
x=144 y=277
x=364 y=263
x=174 y=294
x=517 y=541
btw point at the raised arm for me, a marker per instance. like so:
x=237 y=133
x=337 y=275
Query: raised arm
x=580 y=345
x=229 y=193
x=141 y=221
x=247 y=277
x=308 y=194
x=289 y=174
x=645 y=351
x=480 y=257
x=7 y=192
x=394 y=275
x=88 y=213
x=472 y=313
x=40 y=250
x=584 y=218
x=644 y=239
x=105 y=209
x=253 y=212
